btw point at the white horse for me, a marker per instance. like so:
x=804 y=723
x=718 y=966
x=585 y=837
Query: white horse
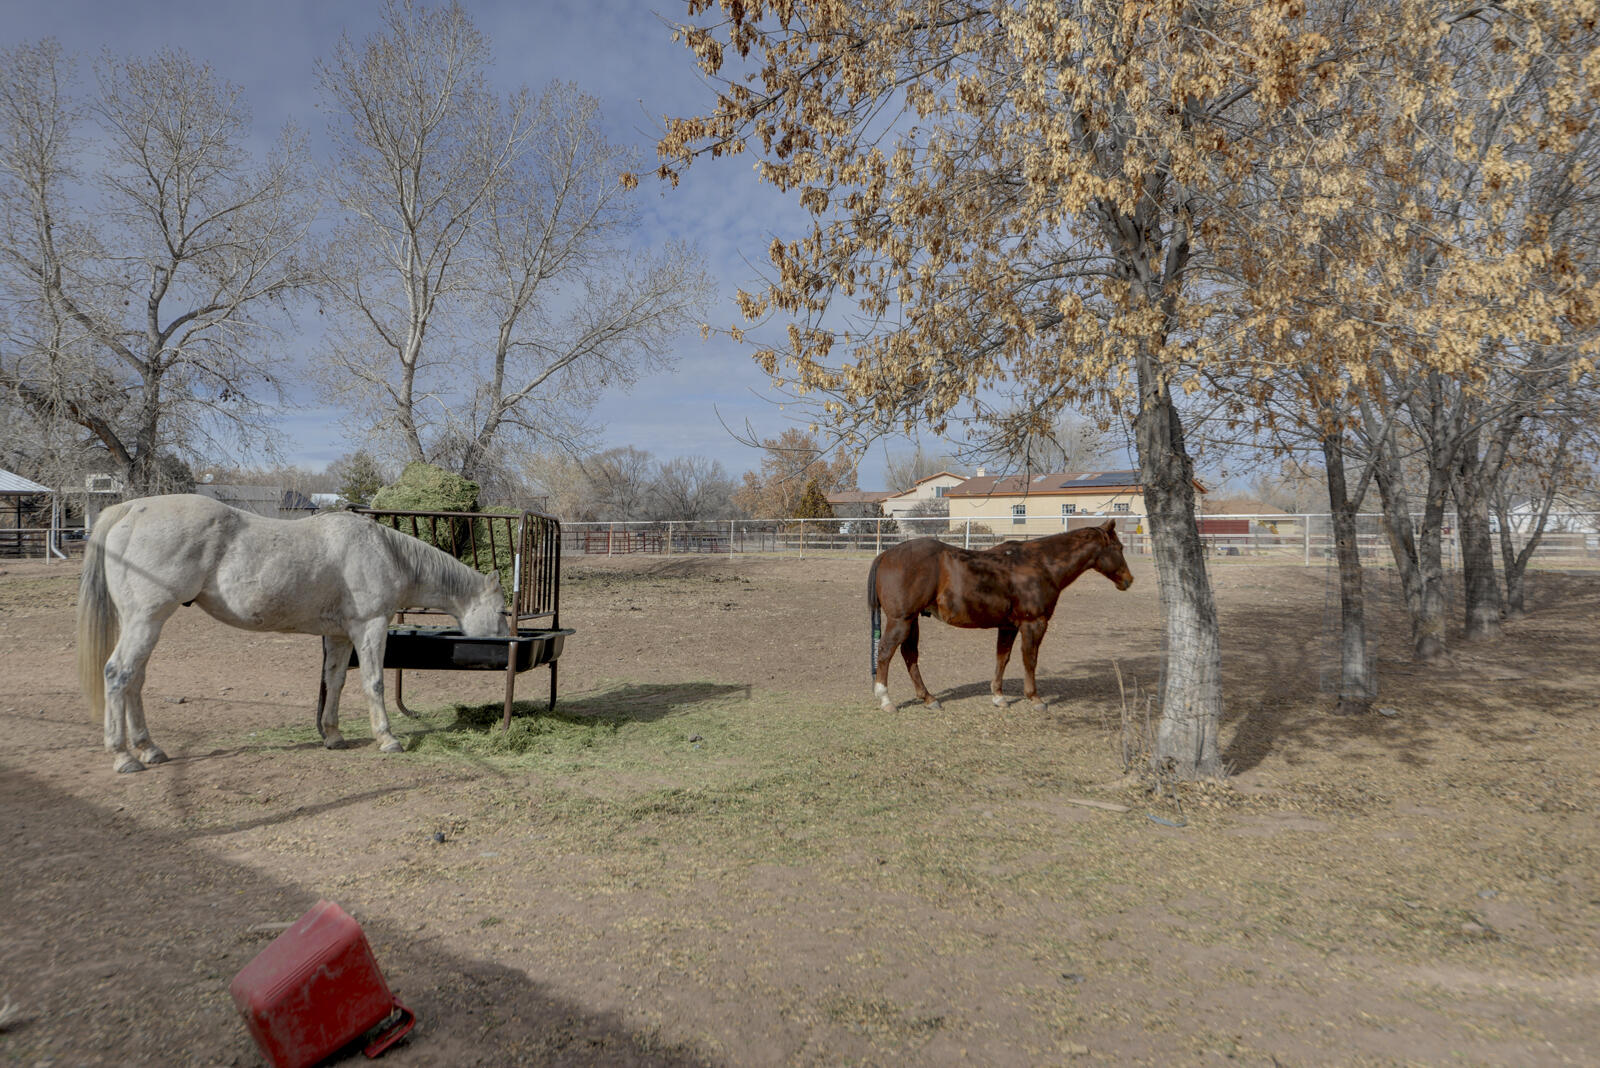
x=339 y=575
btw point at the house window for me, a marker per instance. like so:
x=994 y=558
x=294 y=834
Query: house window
x=1019 y=514
x=939 y=491
x=1068 y=509
x=1120 y=509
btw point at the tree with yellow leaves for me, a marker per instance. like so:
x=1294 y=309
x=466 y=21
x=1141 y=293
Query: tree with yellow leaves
x=1054 y=203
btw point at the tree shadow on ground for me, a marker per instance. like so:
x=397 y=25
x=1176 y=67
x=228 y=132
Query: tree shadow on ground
x=643 y=703
x=118 y=943
x=1085 y=681
x=1277 y=702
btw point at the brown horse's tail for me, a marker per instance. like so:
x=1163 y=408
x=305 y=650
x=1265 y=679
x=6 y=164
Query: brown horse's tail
x=875 y=613
x=97 y=616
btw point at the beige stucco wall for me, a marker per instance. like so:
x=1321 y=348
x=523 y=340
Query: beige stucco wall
x=902 y=503
x=1043 y=510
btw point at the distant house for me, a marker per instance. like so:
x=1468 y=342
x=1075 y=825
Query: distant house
x=1568 y=515
x=262 y=500
x=1048 y=503
x=920 y=499
x=857 y=504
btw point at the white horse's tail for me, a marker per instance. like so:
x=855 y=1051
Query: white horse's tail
x=97 y=616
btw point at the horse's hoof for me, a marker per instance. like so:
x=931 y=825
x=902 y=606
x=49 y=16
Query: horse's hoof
x=333 y=740
x=392 y=746
x=126 y=764
x=153 y=755
x=933 y=703
x=1040 y=706
x=886 y=704
x=999 y=702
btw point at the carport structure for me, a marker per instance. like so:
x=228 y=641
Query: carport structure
x=14 y=542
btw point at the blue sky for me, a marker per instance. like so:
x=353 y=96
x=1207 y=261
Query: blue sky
x=618 y=51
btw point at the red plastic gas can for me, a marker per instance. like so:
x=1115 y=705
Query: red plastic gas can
x=315 y=990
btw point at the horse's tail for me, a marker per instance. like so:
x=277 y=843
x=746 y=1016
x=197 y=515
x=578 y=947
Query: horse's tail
x=97 y=616
x=875 y=613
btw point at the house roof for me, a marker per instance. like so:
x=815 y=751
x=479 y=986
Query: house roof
x=1057 y=482
x=14 y=485
x=858 y=496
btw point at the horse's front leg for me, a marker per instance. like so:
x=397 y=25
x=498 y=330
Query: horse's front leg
x=126 y=734
x=336 y=650
x=1002 y=656
x=370 y=644
x=1032 y=635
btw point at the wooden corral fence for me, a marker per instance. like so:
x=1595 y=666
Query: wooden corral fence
x=524 y=550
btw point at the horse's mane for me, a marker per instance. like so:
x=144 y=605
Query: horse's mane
x=431 y=564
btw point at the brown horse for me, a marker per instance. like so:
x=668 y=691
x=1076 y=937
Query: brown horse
x=1013 y=587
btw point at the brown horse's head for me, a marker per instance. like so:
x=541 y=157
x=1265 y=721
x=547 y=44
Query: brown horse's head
x=1108 y=559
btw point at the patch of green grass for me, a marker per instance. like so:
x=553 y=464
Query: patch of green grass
x=612 y=728
x=301 y=734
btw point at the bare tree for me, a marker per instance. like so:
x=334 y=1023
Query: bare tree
x=136 y=302
x=905 y=470
x=620 y=483
x=690 y=488
x=486 y=287
x=1075 y=442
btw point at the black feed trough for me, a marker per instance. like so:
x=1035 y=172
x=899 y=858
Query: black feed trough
x=447 y=649
x=524 y=551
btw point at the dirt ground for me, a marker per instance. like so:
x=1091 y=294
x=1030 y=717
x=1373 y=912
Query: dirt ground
x=722 y=852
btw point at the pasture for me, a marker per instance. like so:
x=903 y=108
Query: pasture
x=719 y=850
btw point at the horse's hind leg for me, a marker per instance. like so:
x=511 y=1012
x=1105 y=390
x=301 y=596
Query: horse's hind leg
x=908 y=651
x=894 y=632
x=1002 y=656
x=126 y=734
x=335 y=662
x=1032 y=635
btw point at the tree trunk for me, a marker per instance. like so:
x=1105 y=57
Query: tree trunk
x=1516 y=602
x=1357 y=675
x=1514 y=560
x=1417 y=554
x=1480 y=586
x=1191 y=700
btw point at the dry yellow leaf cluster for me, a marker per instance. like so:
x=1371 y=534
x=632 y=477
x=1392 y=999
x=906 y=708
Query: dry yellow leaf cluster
x=1043 y=195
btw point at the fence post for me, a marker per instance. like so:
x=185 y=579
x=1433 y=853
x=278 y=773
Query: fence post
x=732 y=523
x=966 y=542
x=1306 y=526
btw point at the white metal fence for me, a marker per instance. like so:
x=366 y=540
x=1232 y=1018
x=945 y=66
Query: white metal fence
x=1570 y=539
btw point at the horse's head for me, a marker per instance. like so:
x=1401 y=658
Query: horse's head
x=1108 y=557
x=484 y=614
